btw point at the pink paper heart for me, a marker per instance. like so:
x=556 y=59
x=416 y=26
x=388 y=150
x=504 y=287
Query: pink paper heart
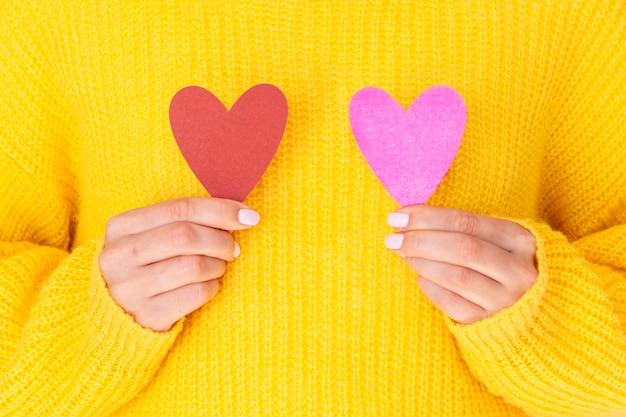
x=410 y=151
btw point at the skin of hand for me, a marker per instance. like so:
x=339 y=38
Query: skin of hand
x=163 y=261
x=470 y=266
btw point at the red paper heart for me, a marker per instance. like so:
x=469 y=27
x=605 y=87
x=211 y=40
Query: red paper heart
x=229 y=151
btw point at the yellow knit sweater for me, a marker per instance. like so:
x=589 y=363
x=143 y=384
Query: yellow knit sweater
x=316 y=317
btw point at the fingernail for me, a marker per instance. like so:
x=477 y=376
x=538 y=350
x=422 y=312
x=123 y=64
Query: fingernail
x=249 y=217
x=394 y=241
x=237 y=250
x=398 y=219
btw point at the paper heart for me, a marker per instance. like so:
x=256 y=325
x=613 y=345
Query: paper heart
x=410 y=151
x=228 y=151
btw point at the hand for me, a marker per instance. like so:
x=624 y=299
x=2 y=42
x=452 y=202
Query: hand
x=162 y=262
x=470 y=266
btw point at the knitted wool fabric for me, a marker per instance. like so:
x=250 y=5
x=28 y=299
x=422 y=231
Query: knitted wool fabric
x=316 y=317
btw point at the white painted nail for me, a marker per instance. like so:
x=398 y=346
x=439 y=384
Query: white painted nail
x=394 y=241
x=249 y=217
x=398 y=219
x=237 y=250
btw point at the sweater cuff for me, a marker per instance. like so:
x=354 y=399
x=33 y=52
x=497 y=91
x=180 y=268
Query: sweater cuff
x=560 y=348
x=115 y=339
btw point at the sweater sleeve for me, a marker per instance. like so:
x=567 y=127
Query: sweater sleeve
x=561 y=349
x=66 y=348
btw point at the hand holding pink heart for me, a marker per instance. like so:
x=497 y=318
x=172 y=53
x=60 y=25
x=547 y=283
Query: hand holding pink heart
x=409 y=151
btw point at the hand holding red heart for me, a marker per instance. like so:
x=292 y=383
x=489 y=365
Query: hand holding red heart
x=162 y=262
x=470 y=266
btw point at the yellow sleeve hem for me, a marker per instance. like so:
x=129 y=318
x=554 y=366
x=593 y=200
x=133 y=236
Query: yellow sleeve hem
x=117 y=336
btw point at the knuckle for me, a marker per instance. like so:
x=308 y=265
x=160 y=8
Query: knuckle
x=468 y=248
x=146 y=317
x=507 y=300
x=470 y=317
x=121 y=294
x=525 y=240
x=218 y=268
x=465 y=222
x=115 y=292
x=183 y=234
x=448 y=301
x=494 y=305
x=461 y=312
x=527 y=275
x=153 y=316
x=180 y=209
x=191 y=266
x=111 y=228
x=106 y=259
x=163 y=269
x=462 y=278
x=413 y=241
x=203 y=292
x=224 y=241
x=221 y=210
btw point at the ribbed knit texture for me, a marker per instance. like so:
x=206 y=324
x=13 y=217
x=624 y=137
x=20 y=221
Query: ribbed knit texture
x=316 y=317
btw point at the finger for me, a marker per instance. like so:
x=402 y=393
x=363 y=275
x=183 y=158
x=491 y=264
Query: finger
x=168 y=275
x=503 y=233
x=458 y=249
x=451 y=304
x=169 y=241
x=159 y=313
x=210 y=212
x=469 y=284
